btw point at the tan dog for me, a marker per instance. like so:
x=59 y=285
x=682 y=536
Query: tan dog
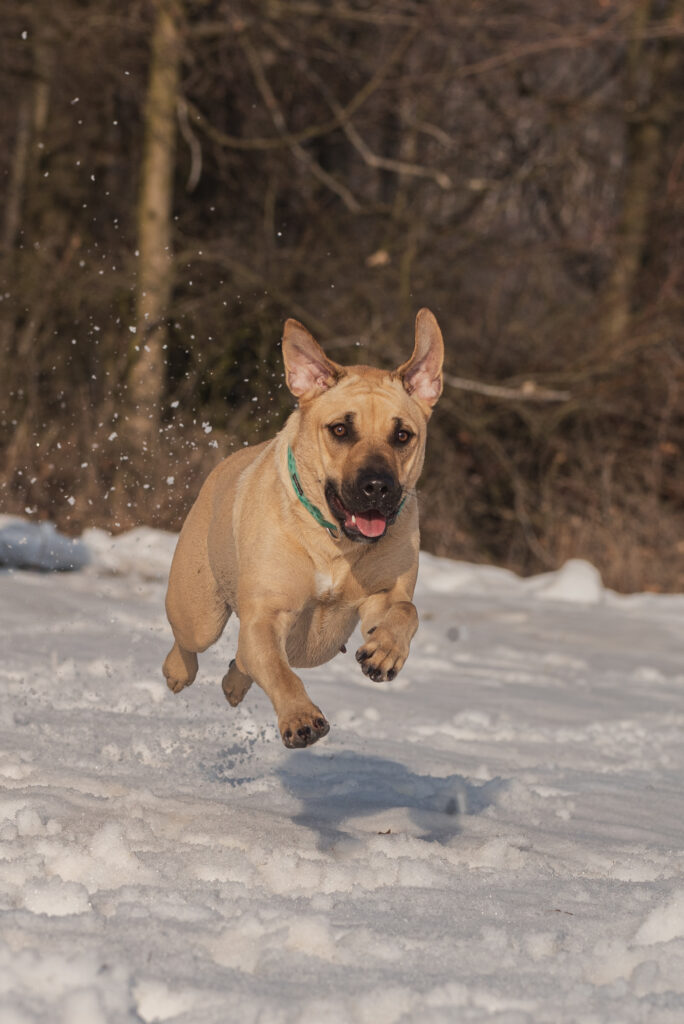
x=303 y=535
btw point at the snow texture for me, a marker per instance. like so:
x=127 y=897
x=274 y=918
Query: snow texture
x=495 y=835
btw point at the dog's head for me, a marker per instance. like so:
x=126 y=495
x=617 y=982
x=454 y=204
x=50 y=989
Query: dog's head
x=364 y=429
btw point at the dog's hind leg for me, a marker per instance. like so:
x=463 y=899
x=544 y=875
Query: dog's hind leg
x=180 y=665
x=180 y=668
x=198 y=627
x=235 y=684
x=195 y=608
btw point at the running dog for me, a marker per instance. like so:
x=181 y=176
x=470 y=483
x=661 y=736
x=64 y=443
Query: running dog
x=306 y=534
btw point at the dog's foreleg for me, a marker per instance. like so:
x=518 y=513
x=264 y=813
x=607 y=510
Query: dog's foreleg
x=261 y=657
x=388 y=624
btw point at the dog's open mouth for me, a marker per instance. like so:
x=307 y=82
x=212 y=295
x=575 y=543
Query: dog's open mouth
x=370 y=524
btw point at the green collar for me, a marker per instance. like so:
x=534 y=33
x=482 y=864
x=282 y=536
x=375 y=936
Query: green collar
x=332 y=528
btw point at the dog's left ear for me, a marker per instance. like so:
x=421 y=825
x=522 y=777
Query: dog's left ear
x=308 y=371
x=422 y=374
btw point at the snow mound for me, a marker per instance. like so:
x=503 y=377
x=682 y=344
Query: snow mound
x=577 y=581
x=27 y=545
x=444 y=576
x=140 y=552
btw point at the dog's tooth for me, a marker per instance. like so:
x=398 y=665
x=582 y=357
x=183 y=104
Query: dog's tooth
x=353 y=520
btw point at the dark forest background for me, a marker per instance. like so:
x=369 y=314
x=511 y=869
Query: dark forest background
x=179 y=177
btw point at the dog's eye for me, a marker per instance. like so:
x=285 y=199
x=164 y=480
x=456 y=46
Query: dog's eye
x=403 y=436
x=339 y=430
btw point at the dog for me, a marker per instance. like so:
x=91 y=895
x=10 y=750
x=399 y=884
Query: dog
x=306 y=534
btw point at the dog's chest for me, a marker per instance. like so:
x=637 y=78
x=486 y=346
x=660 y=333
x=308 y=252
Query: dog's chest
x=344 y=582
x=328 y=585
x=333 y=582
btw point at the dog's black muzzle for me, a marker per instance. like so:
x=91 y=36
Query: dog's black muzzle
x=367 y=506
x=376 y=488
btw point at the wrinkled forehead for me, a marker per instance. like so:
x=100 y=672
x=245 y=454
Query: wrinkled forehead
x=375 y=399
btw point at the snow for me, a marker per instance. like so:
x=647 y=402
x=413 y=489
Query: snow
x=38 y=546
x=495 y=835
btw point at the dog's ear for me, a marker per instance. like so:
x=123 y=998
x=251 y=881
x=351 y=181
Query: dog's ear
x=422 y=374
x=308 y=371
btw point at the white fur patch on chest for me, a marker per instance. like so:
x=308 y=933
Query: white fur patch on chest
x=325 y=584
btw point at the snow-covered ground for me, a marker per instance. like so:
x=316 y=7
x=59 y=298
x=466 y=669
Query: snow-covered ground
x=495 y=835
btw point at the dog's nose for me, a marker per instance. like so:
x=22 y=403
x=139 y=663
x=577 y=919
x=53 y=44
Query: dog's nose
x=378 y=486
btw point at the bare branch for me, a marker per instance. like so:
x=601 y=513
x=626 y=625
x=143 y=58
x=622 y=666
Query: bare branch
x=279 y=9
x=529 y=391
x=239 y=268
x=435 y=131
x=671 y=29
x=278 y=119
x=371 y=158
x=314 y=131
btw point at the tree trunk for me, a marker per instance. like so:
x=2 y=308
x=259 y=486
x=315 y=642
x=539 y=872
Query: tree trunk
x=649 y=109
x=23 y=186
x=17 y=177
x=155 y=254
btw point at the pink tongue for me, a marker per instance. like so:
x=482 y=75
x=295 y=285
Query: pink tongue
x=371 y=524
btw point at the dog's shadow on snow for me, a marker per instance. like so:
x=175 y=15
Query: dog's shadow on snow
x=376 y=795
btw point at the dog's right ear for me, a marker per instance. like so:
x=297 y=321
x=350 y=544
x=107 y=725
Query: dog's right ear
x=308 y=371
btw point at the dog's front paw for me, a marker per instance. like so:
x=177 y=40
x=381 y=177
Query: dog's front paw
x=381 y=657
x=302 y=728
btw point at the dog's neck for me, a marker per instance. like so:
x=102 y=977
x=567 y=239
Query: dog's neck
x=332 y=528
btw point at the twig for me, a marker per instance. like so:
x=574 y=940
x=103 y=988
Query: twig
x=193 y=145
x=529 y=391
